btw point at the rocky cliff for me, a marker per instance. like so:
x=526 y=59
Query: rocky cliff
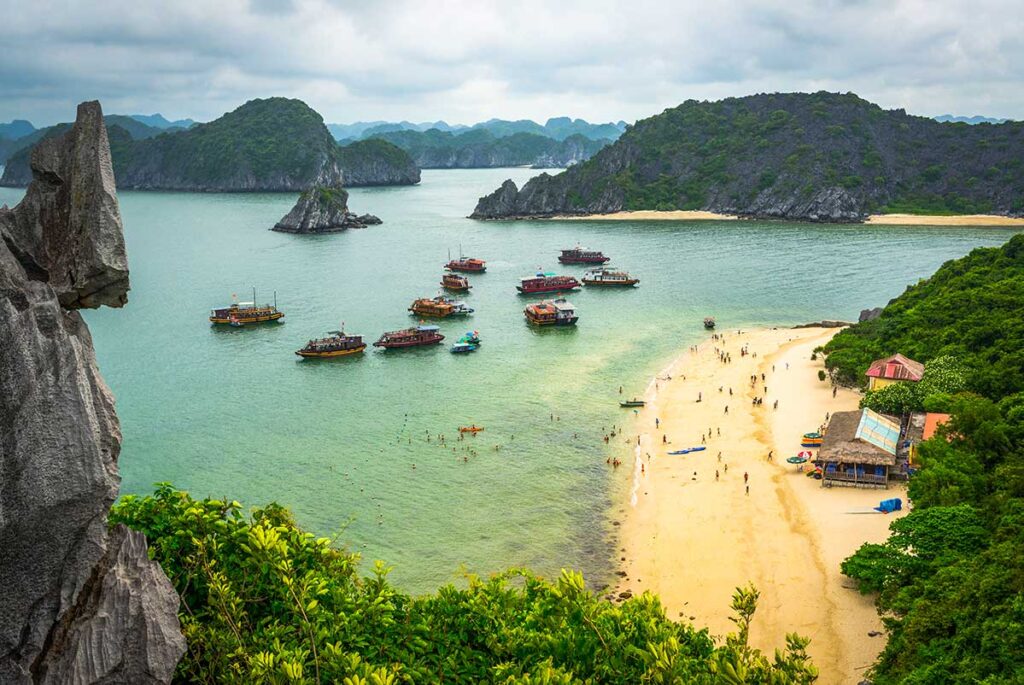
x=814 y=157
x=81 y=603
x=480 y=149
x=322 y=209
x=377 y=162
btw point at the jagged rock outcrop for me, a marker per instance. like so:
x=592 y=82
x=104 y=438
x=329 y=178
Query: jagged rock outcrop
x=869 y=314
x=825 y=157
x=480 y=148
x=80 y=603
x=322 y=209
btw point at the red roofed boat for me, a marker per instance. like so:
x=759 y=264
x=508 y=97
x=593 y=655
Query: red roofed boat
x=410 y=337
x=465 y=263
x=558 y=312
x=578 y=255
x=546 y=283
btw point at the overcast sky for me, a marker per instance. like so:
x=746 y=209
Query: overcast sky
x=469 y=61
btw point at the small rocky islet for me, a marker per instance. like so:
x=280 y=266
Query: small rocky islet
x=323 y=209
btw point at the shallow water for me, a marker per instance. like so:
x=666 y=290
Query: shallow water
x=235 y=413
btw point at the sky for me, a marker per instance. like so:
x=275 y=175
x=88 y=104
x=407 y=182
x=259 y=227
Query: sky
x=469 y=61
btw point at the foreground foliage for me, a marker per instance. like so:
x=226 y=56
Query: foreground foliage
x=970 y=309
x=264 y=601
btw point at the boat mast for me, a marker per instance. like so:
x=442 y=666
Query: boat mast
x=254 y=296
x=275 y=299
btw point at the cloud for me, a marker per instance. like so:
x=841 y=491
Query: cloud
x=467 y=61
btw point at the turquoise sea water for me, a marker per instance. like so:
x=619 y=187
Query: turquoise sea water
x=235 y=413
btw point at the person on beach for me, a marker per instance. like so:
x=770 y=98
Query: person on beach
x=746 y=476
x=727 y=409
x=748 y=489
x=657 y=422
x=716 y=475
x=719 y=457
x=664 y=439
x=834 y=388
x=700 y=397
x=776 y=405
x=726 y=467
x=694 y=476
x=620 y=389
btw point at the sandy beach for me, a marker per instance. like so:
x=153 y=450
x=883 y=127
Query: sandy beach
x=692 y=538
x=878 y=219
x=958 y=220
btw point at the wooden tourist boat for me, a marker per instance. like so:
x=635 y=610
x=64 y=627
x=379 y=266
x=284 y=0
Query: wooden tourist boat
x=439 y=307
x=410 y=337
x=241 y=313
x=709 y=322
x=604 y=277
x=578 y=255
x=465 y=263
x=334 y=344
x=455 y=282
x=546 y=283
x=558 y=312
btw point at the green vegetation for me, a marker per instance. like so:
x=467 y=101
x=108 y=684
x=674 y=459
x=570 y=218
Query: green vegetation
x=950 y=578
x=263 y=601
x=364 y=152
x=970 y=309
x=797 y=155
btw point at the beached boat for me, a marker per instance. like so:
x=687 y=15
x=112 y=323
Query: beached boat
x=546 y=283
x=334 y=344
x=604 y=277
x=410 y=337
x=439 y=307
x=709 y=322
x=558 y=312
x=579 y=255
x=241 y=313
x=455 y=282
x=465 y=263
x=632 y=403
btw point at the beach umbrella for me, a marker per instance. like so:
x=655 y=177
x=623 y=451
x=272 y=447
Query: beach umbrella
x=805 y=454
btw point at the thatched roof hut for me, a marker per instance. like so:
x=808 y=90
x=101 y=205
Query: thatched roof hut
x=842 y=446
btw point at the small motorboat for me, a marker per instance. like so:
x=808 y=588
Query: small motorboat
x=632 y=403
x=471 y=337
x=462 y=347
x=471 y=429
x=709 y=322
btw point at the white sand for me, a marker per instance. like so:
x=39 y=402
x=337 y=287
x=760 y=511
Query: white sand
x=959 y=220
x=694 y=541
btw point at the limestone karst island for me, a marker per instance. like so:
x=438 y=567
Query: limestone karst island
x=659 y=343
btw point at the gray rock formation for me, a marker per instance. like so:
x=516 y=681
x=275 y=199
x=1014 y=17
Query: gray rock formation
x=377 y=162
x=79 y=603
x=322 y=209
x=869 y=314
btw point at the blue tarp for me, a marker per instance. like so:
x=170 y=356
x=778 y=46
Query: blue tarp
x=889 y=505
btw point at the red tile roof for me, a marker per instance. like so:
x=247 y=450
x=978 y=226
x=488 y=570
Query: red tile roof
x=896 y=368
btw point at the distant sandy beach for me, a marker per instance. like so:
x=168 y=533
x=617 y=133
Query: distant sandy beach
x=959 y=220
x=878 y=219
x=693 y=540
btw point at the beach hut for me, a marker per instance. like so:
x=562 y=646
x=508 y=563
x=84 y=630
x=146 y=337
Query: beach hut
x=894 y=369
x=920 y=427
x=859 y=449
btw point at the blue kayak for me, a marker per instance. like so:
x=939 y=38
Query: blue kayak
x=688 y=450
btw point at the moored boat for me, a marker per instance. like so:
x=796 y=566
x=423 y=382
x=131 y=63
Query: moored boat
x=604 y=277
x=439 y=307
x=579 y=255
x=558 y=312
x=632 y=403
x=546 y=283
x=463 y=347
x=241 y=313
x=410 y=337
x=465 y=263
x=334 y=344
x=709 y=322
x=453 y=281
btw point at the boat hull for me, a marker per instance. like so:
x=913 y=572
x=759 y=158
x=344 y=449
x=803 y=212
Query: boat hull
x=332 y=354
x=611 y=284
x=584 y=260
x=406 y=345
x=537 y=321
x=545 y=289
x=220 y=321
